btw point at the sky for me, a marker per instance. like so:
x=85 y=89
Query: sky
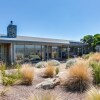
x=60 y=19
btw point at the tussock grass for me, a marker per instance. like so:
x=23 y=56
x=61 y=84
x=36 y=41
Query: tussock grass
x=70 y=62
x=95 y=57
x=79 y=77
x=49 y=71
x=93 y=94
x=27 y=73
x=44 y=96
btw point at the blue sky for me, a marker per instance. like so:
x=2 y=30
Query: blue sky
x=62 y=19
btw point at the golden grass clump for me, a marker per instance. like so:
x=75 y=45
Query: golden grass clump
x=79 y=77
x=93 y=94
x=49 y=71
x=95 y=57
x=27 y=74
x=44 y=96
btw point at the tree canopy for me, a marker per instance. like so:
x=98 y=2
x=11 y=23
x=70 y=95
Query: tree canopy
x=92 y=40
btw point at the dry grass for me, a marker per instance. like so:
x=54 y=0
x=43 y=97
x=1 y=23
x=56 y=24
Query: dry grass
x=4 y=91
x=93 y=94
x=95 y=57
x=79 y=77
x=44 y=96
x=27 y=74
x=49 y=71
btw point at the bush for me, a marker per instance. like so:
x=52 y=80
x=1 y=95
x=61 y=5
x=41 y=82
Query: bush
x=41 y=64
x=34 y=57
x=93 y=94
x=95 y=57
x=86 y=56
x=70 y=62
x=10 y=79
x=49 y=71
x=96 y=71
x=44 y=96
x=2 y=66
x=57 y=70
x=27 y=74
x=53 y=63
x=79 y=78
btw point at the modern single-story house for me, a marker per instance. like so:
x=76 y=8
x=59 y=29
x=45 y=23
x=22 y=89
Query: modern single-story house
x=15 y=48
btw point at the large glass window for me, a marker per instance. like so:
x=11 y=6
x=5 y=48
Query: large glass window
x=55 y=53
x=19 y=53
x=29 y=51
x=38 y=53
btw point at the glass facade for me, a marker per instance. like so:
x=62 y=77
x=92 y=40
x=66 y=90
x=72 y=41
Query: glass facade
x=27 y=53
x=32 y=53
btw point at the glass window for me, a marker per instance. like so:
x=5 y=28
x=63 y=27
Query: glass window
x=19 y=53
x=38 y=52
x=55 y=53
x=29 y=51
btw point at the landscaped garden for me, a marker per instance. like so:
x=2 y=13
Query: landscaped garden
x=76 y=79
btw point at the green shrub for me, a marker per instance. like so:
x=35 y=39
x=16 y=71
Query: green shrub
x=41 y=64
x=57 y=70
x=96 y=71
x=11 y=78
x=2 y=66
x=53 y=63
x=32 y=57
x=70 y=62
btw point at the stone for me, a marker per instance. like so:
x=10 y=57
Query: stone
x=49 y=83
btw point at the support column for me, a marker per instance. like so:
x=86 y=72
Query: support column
x=68 y=49
x=61 y=52
x=12 y=53
x=82 y=49
x=47 y=53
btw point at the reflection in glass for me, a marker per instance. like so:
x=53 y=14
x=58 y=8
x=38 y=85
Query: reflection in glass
x=19 y=52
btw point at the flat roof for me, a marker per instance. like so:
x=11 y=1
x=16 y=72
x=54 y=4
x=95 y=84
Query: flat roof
x=4 y=38
x=34 y=39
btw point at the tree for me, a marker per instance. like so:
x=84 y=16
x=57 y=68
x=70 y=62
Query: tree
x=88 y=39
x=97 y=39
x=92 y=41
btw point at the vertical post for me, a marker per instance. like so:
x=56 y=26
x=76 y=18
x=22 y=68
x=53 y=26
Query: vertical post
x=68 y=49
x=82 y=49
x=47 y=53
x=12 y=53
x=61 y=52
x=41 y=53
